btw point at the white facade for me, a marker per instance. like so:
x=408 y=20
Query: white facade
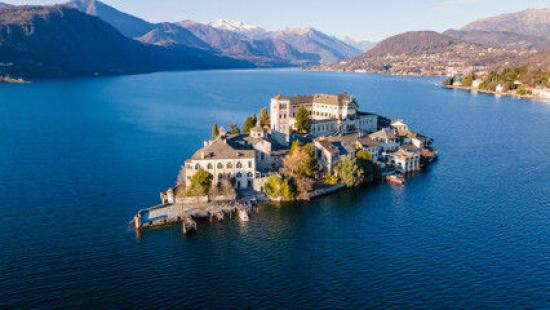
x=328 y=114
x=243 y=170
x=405 y=161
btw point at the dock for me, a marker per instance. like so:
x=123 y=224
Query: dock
x=187 y=214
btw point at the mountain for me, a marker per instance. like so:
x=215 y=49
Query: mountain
x=533 y=22
x=53 y=41
x=263 y=52
x=312 y=41
x=427 y=53
x=362 y=45
x=237 y=26
x=230 y=38
x=168 y=34
x=500 y=39
x=413 y=43
x=5 y=6
x=127 y=24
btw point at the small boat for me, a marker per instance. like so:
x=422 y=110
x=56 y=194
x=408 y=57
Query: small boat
x=395 y=179
x=243 y=216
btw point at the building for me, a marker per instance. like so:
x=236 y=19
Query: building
x=329 y=114
x=387 y=139
x=405 y=160
x=329 y=150
x=221 y=159
x=399 y=125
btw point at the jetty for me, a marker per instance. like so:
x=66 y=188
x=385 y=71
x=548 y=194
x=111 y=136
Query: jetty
x=187 y=214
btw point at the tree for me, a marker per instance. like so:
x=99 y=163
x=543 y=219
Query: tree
x=363 y=155
x=201 y=182
x=215 y=131
x=248 y=124
x=349 y=171
x=264 y=117
x=300 y=167
x=277 y=187
x=254 y=120
x=303 y=123
x=234 y=129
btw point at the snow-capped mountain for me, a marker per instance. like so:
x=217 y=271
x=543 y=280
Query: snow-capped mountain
x=236 y=26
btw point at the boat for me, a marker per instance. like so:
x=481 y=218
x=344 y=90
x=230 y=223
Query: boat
x=395 y=179
x=243 y=216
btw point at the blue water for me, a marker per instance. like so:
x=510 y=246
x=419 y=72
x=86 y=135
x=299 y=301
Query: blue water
x=78 y=158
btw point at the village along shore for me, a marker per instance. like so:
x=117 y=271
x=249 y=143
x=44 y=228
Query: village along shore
x=301 y=148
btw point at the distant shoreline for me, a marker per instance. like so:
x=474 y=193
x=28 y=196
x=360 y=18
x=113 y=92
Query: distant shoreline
x=494 y=93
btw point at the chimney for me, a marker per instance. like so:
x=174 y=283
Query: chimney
x=202 y=155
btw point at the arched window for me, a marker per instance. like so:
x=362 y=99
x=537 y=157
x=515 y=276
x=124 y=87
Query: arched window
x=209 y=166
x=249 y=174
x=239 y=165
x=239 y=175
x=220 y=175
x=197 y=167
x=229 y=165
x=220 y=165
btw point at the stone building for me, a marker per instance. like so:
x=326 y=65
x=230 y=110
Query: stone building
x=221 y=159
x=329 y=114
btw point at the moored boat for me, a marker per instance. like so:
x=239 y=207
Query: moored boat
x=243 y=215
x=395 y=179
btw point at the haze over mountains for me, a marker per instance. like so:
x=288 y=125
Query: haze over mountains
x=517 y=38
x=52 y=41
x=88 y=37
x=230 y=38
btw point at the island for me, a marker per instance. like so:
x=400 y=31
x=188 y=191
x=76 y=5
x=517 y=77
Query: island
x=302 y=148
x=522 y=81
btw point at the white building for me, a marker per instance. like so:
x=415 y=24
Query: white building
x=405 y=161
x=329 y=114
x=221 y=160
x=387 y=139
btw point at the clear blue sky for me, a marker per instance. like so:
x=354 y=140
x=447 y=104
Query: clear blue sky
x=360 y=19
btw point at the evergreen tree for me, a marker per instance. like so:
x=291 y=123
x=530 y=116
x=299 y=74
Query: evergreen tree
x=254 y=120
x=349 y=171
x=303 y=122
x=234 y=129
x=201 y=182
x=215 y=131
x=264 y=117
x=248 y=124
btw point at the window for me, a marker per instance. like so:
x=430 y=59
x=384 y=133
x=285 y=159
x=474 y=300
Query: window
x=249 y=174
x=239 y=165
x=220 y=166
x=239 y=175
x=220 y=176
x=209 y=166
x=229 y=165
x=249 y=164
x=197 y=167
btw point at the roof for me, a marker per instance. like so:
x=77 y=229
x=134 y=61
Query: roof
x=221 y=149
x=366 y=141
x=410 y=148
x=339 y=144
x=280 y=97
x=403 y=154
x=385 y=133
x=329 y=99
x=398 y=122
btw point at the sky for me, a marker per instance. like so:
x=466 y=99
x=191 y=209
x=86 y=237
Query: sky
x=372 y=20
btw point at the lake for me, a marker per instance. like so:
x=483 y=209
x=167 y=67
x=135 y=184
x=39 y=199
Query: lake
x=79 y=158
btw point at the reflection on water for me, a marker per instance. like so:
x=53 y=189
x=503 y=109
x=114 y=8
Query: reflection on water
x=81 y=157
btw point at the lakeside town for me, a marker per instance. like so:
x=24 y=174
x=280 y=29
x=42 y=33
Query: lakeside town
x=303 y=147
x=520 y=81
